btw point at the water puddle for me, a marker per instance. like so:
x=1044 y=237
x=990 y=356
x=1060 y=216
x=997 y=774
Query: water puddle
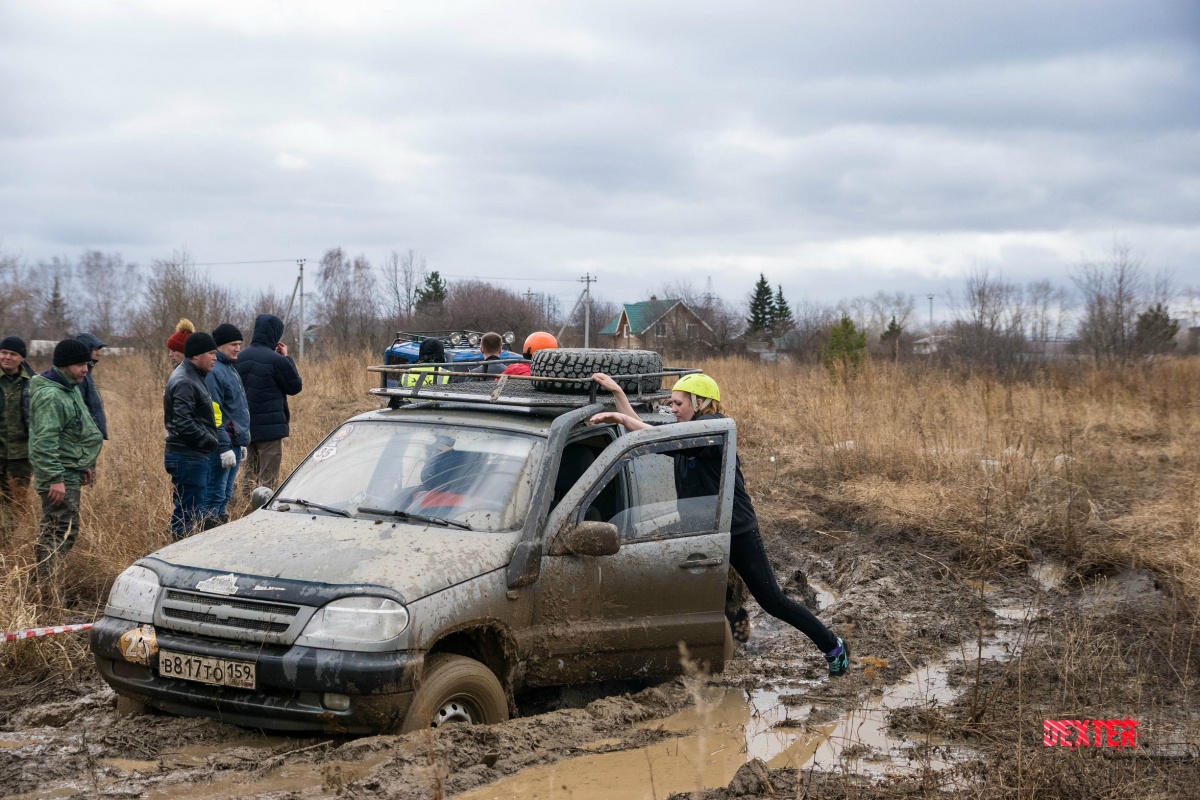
x=1049 y=575
x=728 y=727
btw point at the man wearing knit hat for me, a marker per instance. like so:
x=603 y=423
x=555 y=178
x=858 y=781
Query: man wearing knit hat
x=64 y=444
x=191 y=422
x=15 y=375
x=91 y=395
x=233 y=434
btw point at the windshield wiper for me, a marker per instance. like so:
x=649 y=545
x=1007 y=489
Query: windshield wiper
x=309 y=504
x=408 y=515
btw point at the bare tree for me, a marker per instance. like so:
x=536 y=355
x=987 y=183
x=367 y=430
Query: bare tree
x=990 y=321
x=1048 y=308
x=403 y=277
x=481 y=306
x=21 y=297
x=174 y=289
x=1110 y=291
x=347 y=304
x=109 y=291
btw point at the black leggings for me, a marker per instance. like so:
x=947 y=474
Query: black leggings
x=747 y=556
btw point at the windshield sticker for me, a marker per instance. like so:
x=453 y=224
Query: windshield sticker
x=138 y=644
x=343 y=433
x=328 y=451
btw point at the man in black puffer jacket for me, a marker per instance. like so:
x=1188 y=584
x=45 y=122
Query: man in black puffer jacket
x=191 y=433
x=269 y=375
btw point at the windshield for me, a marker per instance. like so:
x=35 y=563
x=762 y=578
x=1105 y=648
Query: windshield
x=465 y=476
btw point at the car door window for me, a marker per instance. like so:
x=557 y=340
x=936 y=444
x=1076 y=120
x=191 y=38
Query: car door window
x=653 y=507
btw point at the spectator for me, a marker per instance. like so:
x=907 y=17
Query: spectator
x=178 y=339
x=91 y=395
x=489 y=347
x=270 y=376
x=15 y=376
x=538 y=340
x=64 y=444
x=233 y=434
x=190 y=417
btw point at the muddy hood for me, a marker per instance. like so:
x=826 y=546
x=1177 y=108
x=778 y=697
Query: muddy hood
x=414 y=561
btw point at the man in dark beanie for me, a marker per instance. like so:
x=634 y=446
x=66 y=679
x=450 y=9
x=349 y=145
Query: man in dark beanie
x=269 y=376
x=15 y=376
x=233 y=432
x=191 y=421
x=91 y=395
x=64 y=444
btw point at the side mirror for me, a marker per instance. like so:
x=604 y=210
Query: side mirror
x=593 y=539
x=260 y=496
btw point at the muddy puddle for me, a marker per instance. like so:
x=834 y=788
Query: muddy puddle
x=727 y=727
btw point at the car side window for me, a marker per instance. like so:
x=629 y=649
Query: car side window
x=664 y=500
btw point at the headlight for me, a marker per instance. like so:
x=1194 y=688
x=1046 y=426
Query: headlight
x=355 y=620
x=133 y=595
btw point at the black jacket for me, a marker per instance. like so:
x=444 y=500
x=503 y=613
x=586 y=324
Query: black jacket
x=269 y=378
x=91 y=395
x=188 y=413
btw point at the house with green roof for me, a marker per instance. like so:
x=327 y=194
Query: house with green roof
x=655 y=324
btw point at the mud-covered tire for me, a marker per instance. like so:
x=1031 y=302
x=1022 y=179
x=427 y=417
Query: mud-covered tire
x=584 y=362
x=454 y=688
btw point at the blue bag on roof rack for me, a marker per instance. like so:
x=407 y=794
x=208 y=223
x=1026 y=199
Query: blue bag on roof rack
x=462 y=347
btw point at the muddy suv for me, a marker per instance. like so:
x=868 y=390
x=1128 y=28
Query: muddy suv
x=428 y=560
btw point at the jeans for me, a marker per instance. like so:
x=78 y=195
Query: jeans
x=189 y=482
x=220 y=485
x=749 y=558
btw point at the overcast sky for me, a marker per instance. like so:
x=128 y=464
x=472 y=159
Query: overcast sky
x=839 y=148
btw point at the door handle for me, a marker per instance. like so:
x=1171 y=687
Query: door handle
x=693 y=563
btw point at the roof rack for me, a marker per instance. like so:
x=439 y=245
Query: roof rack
x=511 y=390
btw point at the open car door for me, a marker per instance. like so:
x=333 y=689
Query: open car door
x=624 y=614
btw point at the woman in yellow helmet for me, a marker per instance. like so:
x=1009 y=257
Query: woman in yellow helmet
x=697 y=474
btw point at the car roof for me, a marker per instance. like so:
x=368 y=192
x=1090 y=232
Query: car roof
x=516 y=420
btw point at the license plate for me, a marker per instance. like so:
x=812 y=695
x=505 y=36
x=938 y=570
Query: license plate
x=213 y=671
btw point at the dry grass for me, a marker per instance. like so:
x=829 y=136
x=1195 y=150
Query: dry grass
x=1099 y=467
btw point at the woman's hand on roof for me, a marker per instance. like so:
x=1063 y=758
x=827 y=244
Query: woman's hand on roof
x=607 y=382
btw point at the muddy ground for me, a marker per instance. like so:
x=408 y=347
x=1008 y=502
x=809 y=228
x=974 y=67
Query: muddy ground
x=954 y=673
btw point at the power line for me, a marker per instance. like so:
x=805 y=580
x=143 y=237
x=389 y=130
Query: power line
x=239 y=263
x=506 y=278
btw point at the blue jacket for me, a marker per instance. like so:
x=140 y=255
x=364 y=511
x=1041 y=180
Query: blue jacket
x=91 y=395
x=225 y=386
x=269 y=378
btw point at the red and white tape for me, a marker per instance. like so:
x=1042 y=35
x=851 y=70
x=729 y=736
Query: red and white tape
x=33 y=633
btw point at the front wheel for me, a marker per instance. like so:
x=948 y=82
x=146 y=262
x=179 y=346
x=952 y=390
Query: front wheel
x=456 y=689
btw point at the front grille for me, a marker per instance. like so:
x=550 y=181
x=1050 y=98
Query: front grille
x=230 y=602
x=236 y=618
x=233 y=622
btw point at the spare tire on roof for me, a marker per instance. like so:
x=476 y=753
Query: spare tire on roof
x=581 y=362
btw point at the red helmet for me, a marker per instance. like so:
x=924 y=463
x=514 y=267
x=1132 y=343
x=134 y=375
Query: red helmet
x=539 y=340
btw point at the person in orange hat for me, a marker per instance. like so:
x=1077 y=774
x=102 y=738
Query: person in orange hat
x=177 y=341
x=538 y=340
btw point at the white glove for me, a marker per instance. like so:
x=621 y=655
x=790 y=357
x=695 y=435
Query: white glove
x=228 y=459
x=243 y=454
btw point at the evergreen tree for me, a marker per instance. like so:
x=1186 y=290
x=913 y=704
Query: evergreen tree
x=762 y=307
x=56 y=318
x=891 y=337
x=782 y=313
x=1155 y=331
x=844 y=351
x=434 y=291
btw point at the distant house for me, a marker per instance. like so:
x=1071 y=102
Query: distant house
x=655 y=325
x=930 y=344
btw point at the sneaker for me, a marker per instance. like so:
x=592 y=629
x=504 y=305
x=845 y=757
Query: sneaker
x=839 y=659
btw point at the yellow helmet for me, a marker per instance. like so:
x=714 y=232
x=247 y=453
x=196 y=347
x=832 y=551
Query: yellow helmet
x=699 y=385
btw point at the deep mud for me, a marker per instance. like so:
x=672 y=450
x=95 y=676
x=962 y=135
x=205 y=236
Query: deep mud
x=938 y=662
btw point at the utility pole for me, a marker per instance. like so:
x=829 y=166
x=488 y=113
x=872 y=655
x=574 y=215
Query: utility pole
x=300 y=280
x=930 y=314
x=587 y=280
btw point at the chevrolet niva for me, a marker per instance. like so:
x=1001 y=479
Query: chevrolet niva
x=430 y=559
